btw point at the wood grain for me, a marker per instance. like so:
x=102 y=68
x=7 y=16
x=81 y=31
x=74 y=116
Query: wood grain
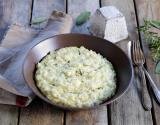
x=8 y=115
x=150 y=9
x=75 y=7
x=128 y=109
x=42 y=10
x=40 y=113
x=5 y=15
x=21 y=13
x=90 y=117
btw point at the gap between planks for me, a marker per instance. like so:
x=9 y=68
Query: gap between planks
x=30 y=21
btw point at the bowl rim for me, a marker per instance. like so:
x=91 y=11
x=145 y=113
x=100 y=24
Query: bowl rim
x=77 y=108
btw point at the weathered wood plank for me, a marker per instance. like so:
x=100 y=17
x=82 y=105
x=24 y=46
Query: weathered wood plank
x=21 y=12
x=42 y=10
x=128 y=109
x=150 y=9
x=5 y=15
x=8 y=115
x=95 y=116
x=92 y=117
x=40 y=113
x=75 y=7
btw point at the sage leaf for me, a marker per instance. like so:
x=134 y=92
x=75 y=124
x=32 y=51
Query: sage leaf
x=158 y=68
x=155 y=23
x=82 y=18
x=38 y=21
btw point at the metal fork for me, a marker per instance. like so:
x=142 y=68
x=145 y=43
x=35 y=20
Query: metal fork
x=139 y=60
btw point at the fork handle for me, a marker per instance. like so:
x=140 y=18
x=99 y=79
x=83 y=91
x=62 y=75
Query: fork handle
x=146 y=100
x=155 y=89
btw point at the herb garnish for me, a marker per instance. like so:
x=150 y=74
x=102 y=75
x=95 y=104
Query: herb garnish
x=150 y=30
x=152 y=37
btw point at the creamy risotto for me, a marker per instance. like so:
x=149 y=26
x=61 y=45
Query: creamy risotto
x=76 y=77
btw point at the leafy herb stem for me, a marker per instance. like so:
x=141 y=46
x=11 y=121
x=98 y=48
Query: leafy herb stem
x=152 y=37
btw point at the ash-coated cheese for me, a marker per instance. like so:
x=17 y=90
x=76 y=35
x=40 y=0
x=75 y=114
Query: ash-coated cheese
x=109 y=23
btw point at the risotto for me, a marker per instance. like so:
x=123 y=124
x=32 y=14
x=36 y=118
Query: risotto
x=76 y=77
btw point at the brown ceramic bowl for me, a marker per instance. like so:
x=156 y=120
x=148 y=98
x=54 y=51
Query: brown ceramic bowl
x=115 y=55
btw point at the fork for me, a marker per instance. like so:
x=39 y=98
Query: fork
x=139 y=60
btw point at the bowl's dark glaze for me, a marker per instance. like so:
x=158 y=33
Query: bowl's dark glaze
x=115 y=55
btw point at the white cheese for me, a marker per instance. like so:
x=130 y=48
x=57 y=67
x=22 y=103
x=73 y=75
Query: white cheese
x=109 y=23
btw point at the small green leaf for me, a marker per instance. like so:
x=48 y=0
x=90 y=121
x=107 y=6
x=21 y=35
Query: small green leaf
x=158 y=68
x=155 y=23
x=38 y=21
x=82 y=18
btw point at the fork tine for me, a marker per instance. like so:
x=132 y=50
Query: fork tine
x=137 y=50
x=134 y=53
x=140 y=51
x=137 y=54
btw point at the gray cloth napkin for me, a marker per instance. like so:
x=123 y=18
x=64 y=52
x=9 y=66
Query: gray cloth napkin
x=14 y=47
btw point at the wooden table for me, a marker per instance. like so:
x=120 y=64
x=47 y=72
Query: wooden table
x=128 y=109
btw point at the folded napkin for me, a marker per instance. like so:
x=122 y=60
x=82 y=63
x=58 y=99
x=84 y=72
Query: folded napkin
x=13 y=49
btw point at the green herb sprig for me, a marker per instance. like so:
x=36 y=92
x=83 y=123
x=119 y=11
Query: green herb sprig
x=153 y=40
x=151 y=37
